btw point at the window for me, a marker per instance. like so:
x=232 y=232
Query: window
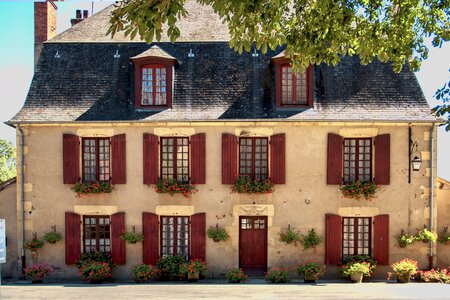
x=175 y=236
x=175 y=158
x=253 y=158
x=356 y=236
x=96 y=159
x=358 y=160
x=154 y=85
x=97 y=234
x=293 y=87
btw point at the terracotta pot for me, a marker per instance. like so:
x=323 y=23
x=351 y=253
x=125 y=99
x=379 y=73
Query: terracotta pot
x=403 y=278
x=193 y=277
x=357 y=277
x=37 y=279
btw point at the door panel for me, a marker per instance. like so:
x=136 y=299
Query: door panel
x=253 y=244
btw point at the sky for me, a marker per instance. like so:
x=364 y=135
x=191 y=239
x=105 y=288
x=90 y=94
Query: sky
x=16 y=64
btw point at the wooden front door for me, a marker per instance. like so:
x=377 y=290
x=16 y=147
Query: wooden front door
x=253 y=244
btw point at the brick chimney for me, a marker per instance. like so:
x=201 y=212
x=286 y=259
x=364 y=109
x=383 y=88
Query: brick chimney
x=44 y=25
x=79 y=17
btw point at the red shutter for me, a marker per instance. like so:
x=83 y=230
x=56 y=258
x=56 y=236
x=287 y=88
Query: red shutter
x=381 y=239
x=382 y=159
x=334 y=160
x=310 y=89
x=150 y=159
x=119 y=159
x=198 y=236
x=150 y=245
x=198 y=159
x=333 y=239
x=71 y=158
x=229 y=158
x=117 y=244
x=72 y=237
x=278 y=158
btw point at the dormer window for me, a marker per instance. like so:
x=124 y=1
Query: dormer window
x=292 y=89
x=153 y=78
x=154 y=85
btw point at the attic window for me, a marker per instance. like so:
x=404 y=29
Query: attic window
x=153 y=78
x=292 y=89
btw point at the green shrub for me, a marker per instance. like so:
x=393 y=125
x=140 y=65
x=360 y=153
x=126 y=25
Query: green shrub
x=425 y=235
x=217 y=233
x=358 y=267
x=34 y=244
x=347 y=261
x=278 y=276
x=289 y=236
x=235 y=275
x=132 y=237
x=357 y=189
x=92 y=187
x=172 y=187
x=52 y=237
x=405 y=239
x=143 y=273
x=245 y=185
x=169 y=267
x=311 y=271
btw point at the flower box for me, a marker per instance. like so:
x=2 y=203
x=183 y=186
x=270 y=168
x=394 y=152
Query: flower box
x=246 y=185
x=357 y=190
x=89 y=187
x=172 y=187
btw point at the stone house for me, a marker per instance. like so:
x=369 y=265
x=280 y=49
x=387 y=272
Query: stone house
x=112 y=110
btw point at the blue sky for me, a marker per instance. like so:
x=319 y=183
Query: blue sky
x=16 y=64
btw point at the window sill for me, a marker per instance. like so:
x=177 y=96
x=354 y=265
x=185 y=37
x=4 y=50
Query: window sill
x=152 y=109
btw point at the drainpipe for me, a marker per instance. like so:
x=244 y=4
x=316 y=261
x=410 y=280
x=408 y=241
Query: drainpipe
x=22 y=199
x=431 y=225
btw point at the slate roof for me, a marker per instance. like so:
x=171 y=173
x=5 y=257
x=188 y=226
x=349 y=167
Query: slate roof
x=87 y=83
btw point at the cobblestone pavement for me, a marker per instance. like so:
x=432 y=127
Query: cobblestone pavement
x=219 y=290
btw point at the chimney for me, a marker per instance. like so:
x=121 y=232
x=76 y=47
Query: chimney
x=79 y=16
x=44 y=25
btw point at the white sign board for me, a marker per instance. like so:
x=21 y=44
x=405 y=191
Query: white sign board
x=2 y=241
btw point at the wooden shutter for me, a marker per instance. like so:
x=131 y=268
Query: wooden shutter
x=198 y=159
x=72 y=237
x=310 y=89
x=382 y=159
x=119 y=159
x=117 y=244
x=278 y=158
x=381 y=239
x=150 y=159
x=198 y=236
x=334 y=159
x=71 y=158
x=333 y=239
x=150 y=245
x=229 y=158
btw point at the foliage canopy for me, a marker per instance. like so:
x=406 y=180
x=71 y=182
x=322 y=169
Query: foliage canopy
x=7 y=160
x=313 y=31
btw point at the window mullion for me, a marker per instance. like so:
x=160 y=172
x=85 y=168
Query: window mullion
x=294 y=88
x=175 y=235
x=355 y=236
x=97 y=161
x=154 y=85
x=357 y=159
x=175 y=147
x=253 y=158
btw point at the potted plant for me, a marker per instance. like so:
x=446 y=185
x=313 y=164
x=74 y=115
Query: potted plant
x=143 y=273
x=357 y=271
x=132 y=237
x=278 y=276
x=37 y=272
x=311 y=271
x=357 y=190
x=169 y=267
x=245 y=185
x=236 y=275
x=426 y=236
x=403 y=269
x=172 y=187
x=217 y=233
x=444 y=236
x=349 y=260
x=95 y=266
x=310 y=240
x=34 y=244
x=433 y=275
x=52 y=237
x=405 y=239
x=289 y=236
x=89 y=187
x=193 y=269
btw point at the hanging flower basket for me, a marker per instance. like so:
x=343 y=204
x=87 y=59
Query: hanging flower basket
x=89 y=187
x=357 y=190
x=245 y=185
x=172 y=187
